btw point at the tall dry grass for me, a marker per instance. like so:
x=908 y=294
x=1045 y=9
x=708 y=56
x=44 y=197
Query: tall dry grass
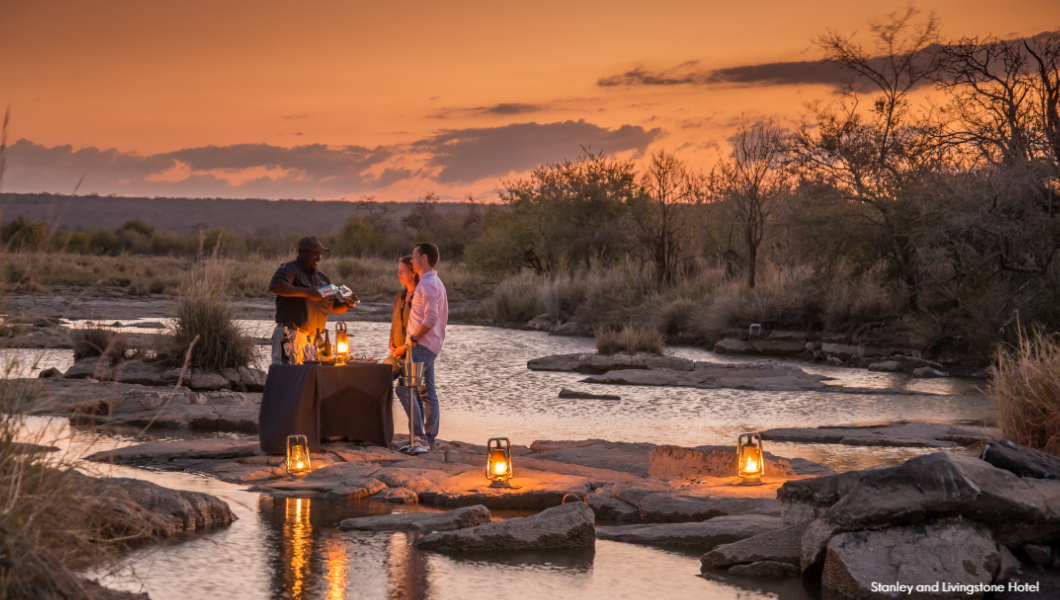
x=1026 y=389
x=629 y=339
x=205 y=335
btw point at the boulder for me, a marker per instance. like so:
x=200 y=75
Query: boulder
x=557 y=362
x=765 y=569
x=230 y=374
x=953 y=551
x=422 y=522
x=775 y=347
x=780 y=545
x=202 y=380
x=941 y=485
x=138 y=372
x=705 y=534
x=253 y=380
x=626 y=457
x=805 y=500
x=173 y=511
x=565 y=526
x=50 y=372
x=677 y=507
x=1021 y=460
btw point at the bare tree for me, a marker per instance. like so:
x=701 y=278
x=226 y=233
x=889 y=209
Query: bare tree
x=661 y=214
x=752 y=182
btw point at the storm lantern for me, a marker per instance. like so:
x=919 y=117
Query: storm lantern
x=298 y=454
x=342 y=342
x=751 y=464
x=499 y=462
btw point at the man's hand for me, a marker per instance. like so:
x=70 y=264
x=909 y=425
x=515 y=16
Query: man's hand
x=352 y=301
x=314 y=295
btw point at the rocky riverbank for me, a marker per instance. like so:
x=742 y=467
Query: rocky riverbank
x=649 y=369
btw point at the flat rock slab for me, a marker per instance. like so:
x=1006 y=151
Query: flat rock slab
x=91 y=402
x=564 y=526
x=705 y=535
x=601 y=363
x=533 y=490
x=675 y=462
x=910 y=435
x=765 y=569
x=422 y=522
x=626 y=457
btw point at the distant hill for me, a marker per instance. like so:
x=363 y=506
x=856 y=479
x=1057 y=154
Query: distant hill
x=179 y=215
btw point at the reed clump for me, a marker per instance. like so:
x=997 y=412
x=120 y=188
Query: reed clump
x=205 y=335
x=630 y=339
x=1026 y=388
x=97 y=341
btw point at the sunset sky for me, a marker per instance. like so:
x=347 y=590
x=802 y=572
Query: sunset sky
x=330 y=99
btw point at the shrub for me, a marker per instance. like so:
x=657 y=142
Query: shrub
x=630 y=339
x=516 y=299
x=97 y=341
x=204 y=323
x=1026 y=388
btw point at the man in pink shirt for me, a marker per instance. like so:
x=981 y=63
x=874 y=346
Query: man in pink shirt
x=427 y=321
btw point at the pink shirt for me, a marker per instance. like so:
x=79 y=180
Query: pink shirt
x=430 y=308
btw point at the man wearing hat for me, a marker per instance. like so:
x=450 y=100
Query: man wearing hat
x=298 y=303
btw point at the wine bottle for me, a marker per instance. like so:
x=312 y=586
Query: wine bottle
x=327 y=345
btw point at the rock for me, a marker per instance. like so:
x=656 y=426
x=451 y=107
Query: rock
x=1021 y=460
x=887 y=366
x=201 y=380
x=564 y=526
x=565 y=393
x=174 y=511
x=396 y=496
x=706 y=534
x=941 y=485
x=773 y=347
x=422 y=522
x=230 y=374
x=676 y=507
x=558 y=362
x=1010 y=565
x=1039 y=554
x=50 y=372
x=355 y=489
x=253 y=380
x=953 y=551
x=675 y=462
x=805 y=500
x=928 y=372
x=781 y=545
x=93 y=367
x=607 y=508
x=922 y=435
x=765 y=568
x=730 y=346
x=616 y=456
x=532 y=490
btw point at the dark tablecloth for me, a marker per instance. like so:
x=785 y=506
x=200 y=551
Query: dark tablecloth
x=318 y=401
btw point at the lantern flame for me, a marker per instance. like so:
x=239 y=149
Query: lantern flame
x=500 y=467
x=342 y=347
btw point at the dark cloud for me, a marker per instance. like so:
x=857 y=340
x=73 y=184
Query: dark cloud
x=785 y=73
x=467 y=155
x=312 y=171
x=504 y=108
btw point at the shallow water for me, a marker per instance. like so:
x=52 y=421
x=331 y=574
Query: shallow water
x=287 y=548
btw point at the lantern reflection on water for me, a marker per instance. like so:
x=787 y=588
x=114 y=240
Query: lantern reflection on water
x=499 y=462
x=298 y=455
x=750 y=462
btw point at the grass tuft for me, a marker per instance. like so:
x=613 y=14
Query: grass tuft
x=205 y=325
x=630 y=339
x=1026 y=388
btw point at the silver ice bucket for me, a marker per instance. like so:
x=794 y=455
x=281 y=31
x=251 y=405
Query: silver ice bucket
x=412 y=374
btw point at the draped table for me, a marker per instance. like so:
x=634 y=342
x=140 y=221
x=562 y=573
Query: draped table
x=353 y=401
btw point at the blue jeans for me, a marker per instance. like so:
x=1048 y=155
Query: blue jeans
x=425 y=356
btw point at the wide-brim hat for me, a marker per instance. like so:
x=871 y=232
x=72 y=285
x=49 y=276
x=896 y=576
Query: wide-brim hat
x=310 y=242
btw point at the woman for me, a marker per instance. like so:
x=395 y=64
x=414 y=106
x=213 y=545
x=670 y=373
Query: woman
x=402 y=305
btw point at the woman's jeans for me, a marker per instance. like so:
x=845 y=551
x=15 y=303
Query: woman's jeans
x=425 y=356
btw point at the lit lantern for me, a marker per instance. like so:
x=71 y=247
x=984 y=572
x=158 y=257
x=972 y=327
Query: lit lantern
x=499 y=462
x=751 y=464
x=298 y=454
x=342 y=342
